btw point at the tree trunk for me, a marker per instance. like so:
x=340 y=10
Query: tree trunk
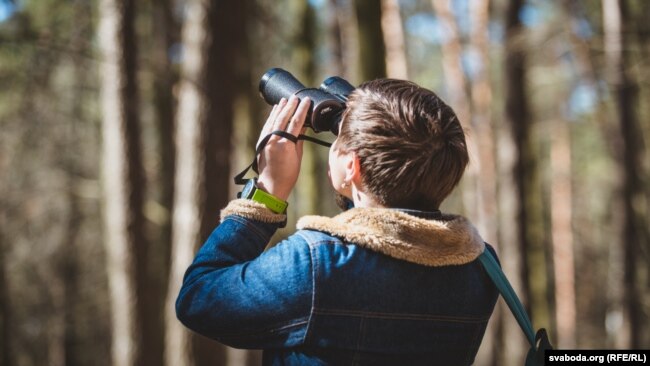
x=203 y=131
x=6 y=356
x=629 y=155
x=487 y=219
x=562 y=235
x=590 y=74
x=247 y=118
x=122 y=174
x=528 y=187
x=227 y=26
x=164 y=34
x=458 y=99
x=527 y=205
x=372 y=51
x=346 y=36
x=68 y=272
x=391 y=25
x=335 y=39
x=510 y=346
x=310 y=185
x=482 y=124
x=452 y=62
x=189 y=179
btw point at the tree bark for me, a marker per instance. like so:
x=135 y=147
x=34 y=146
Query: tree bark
x=122 y=174
x=482 y=123
x=591 y=75
x=163 y=34
x=189 y=178
x=528 y=189
x=562 y=235
x=372 y=51
x=310 y=185
x=6 y=356
x=225 y=67
x=487 y=219
x=67 y=273
x=347 y=38
x=391 y=25
x=212 y=34
x=452 y=62
x=629 y=155
x=335 y=39
x=459 y=100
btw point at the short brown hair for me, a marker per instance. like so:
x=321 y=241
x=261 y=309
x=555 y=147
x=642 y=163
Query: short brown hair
x=410 y=144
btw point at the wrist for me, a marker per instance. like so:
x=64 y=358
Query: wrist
x=273 y=189
x=254 y=191
x=253 y=210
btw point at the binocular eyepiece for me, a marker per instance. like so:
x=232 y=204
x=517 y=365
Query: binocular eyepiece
x=327 y=102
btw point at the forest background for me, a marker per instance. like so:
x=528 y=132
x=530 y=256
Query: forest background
x=122 y=123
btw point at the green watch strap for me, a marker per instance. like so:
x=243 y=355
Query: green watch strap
x=271 y=202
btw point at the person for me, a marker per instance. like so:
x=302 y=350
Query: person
x=391 y=281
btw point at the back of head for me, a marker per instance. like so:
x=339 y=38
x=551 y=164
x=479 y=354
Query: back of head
x=410 y=144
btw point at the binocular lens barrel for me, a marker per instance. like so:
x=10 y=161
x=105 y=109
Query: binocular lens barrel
x=337 y=86
x=277 y=84
x=326 y=109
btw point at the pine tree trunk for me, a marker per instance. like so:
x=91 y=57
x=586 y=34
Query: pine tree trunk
x=346 y=40
x=562 y=232
x=455 y=81
x=63 y=282
x=458 y=99
x=310 y=186
x=372 y=51
x=189 y=179
x=70 y=276
x=391 y=25
x=513 y=137
x=482 y=123
x=335 y=38
x=122 y=174
x=629 y=155
x=529 y=215
x=6 y=356
x=203 y=132
x=164 y=35
x=227 y=27
x=590 y=75
x=482 y=126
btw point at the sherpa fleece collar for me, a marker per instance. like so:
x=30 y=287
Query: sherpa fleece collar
x=451 y=240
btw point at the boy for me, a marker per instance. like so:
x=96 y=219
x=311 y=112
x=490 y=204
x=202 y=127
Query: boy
x=390 y=281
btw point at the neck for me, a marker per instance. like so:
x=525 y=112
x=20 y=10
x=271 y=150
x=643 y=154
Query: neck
x=363 y=199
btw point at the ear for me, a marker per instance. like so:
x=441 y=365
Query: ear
x=353 y=169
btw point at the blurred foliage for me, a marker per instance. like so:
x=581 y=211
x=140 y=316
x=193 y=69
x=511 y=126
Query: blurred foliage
x=50 y=200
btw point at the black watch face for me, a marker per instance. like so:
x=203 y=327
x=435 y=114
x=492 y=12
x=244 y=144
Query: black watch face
x=248 y=189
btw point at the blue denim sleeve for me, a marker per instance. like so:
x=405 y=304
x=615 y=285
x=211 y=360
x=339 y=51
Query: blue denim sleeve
x=243 y=296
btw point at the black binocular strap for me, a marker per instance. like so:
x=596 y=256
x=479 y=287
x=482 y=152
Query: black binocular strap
x=239 y=178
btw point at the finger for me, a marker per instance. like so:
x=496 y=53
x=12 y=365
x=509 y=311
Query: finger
x=298 y=120
x=285 y=113
x=268 y=125
x=269 y=120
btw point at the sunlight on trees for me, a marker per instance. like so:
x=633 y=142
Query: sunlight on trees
x=122 y=122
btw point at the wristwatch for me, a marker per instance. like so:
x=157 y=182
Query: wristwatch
x=252 y=192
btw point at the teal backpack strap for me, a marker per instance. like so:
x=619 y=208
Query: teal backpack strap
x=538 y=342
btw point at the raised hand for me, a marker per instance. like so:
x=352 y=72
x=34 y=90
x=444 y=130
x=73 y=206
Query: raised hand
x=279 y=162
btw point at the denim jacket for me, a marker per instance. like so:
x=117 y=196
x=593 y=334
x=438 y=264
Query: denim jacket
x=367 y=287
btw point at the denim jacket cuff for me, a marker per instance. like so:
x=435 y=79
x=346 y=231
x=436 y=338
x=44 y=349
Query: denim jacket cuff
x=254 y=211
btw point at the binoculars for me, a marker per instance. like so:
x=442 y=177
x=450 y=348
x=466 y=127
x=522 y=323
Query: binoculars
x=327 y=101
